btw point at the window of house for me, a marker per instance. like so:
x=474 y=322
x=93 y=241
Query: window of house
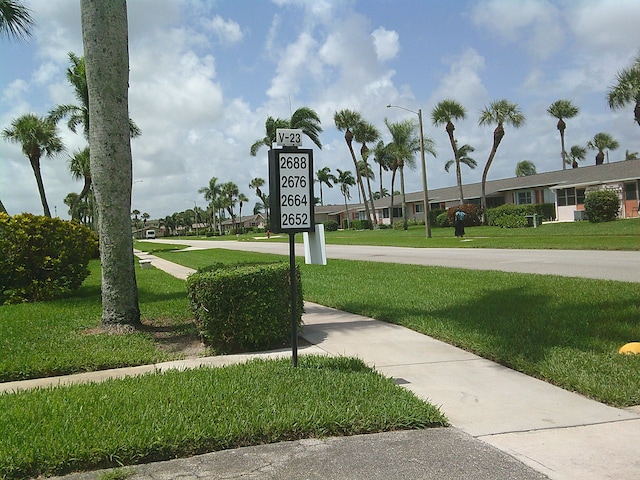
x=397 y=212
x=631 y=192
x=417 y=208
x=524 y=197
x=580 y=194
x=566 y=196
x=385 y=213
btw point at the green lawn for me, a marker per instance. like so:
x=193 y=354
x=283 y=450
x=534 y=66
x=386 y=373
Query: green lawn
x=57 y=430
x=617 y=235
x=563 y=330
x=178 y=414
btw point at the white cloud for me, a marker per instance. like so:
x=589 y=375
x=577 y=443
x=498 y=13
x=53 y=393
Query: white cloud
x=463 y=82
x=386 y=42
x=606 y=25
x=535 y=23
x=227 y=31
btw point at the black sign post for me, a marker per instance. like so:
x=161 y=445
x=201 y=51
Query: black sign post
x=291 y=205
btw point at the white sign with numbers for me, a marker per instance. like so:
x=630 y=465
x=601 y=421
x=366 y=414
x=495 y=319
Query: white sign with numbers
x=296 y=204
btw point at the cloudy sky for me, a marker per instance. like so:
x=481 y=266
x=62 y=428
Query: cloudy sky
x=206 y=74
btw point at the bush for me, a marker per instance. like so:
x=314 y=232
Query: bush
x=331 y=226
x=472 y=214
x=442 y=220
x=511 y=221
x=361 y=224
x=602 y=206
x=545 y=210
x=434 y=214
x=244 y=308
x=43 y=258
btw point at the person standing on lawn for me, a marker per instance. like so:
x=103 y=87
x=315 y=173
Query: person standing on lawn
x=458 y=222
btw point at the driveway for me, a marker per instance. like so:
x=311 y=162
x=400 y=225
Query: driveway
x=605 y=265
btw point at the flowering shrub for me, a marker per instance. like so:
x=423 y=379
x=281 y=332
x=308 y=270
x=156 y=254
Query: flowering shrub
x=42 y=258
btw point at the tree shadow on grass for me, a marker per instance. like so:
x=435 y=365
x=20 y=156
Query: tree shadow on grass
x=516 y=325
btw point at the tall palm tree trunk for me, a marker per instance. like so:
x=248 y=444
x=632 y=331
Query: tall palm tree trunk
x=105 y=38
x=393 y=180
x=373 y=207
x=405 y=225
x=456 y=156
x=348 y=137
x=498 y=133
x=35 y=165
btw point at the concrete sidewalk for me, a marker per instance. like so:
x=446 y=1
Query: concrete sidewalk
x=505 y=425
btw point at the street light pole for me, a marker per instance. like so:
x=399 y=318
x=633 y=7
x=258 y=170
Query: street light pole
x=425 y=191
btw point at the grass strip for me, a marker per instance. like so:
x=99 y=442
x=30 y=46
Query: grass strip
x=161 y=416
x=64 y=336
x=560 y=329
x=621 y=234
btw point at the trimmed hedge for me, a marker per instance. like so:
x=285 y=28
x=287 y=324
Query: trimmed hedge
x=43 y=258
x=244 y=308
x=495 y=215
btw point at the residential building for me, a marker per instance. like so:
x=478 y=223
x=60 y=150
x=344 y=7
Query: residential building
x=564 y=188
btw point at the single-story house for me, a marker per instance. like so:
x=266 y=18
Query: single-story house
x=565 y=188
x=249 y=221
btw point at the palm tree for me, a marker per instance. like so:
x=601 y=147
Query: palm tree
x=38 y=136
x=81 y=170
x=242 y=198
x=365 y=133
x=78 y=115
x=383 y=193
x=384 y=160
x=463 y=158
x=627 y=156
x=444 y=113
x=627 y=89
x=325 y=176
x=105 y=39
x=345 y=180
x=15 y=22
x=498 y=112
x=255 y=184
x=525 y=168
x=364 y=169
x=404 y=144
x=15 y=19
x=562 y=109
x=303 y=118
x=348 y=121
x=602 y=141
x=229 y=196
x=211 y=193
x=576 y=154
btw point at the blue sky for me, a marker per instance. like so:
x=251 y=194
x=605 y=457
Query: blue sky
x=206 y=74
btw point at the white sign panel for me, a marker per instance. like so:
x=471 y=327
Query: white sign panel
x=289 y=137
x=295 y=181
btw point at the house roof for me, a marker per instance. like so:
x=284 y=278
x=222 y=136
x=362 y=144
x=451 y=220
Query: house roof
x=583 y=176
x=244 y=219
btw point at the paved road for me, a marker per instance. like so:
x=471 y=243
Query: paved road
x=606 y=265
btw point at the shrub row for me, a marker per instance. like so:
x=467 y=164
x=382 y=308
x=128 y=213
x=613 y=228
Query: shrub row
x=244 y=308
x=43 y=258
x=514 y=216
